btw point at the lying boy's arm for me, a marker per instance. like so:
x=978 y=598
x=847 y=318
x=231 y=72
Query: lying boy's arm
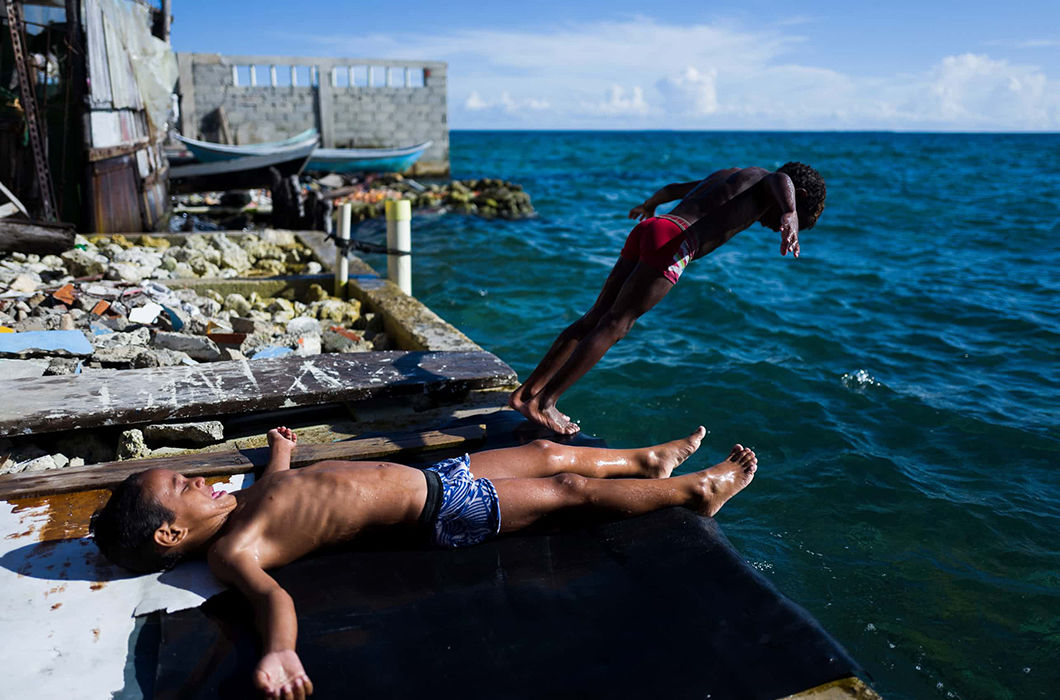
x=782 y=192
x=675 y=190
x=279 y=674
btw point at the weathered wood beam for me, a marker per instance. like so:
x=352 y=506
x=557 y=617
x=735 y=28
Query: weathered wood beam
x=128 y=397
x=110 y=474
x=35 y=237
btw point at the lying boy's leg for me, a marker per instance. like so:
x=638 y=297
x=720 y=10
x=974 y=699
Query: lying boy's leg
x=525 y=501
x=543 y=458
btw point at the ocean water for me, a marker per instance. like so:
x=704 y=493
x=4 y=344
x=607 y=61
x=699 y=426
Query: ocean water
x=900 y=382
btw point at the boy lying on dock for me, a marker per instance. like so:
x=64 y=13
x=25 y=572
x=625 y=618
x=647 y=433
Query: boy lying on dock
x=656 y=252
x=158 y=516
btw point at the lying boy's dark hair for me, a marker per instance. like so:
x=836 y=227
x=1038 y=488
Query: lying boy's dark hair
x=806 y=178
x=124 y=528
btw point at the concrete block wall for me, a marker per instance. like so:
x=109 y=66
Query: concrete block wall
x=405 y=103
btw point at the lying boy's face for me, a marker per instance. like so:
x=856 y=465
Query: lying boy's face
x=191 y=500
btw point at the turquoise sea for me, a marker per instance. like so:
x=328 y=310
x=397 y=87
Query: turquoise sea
x=900 y=381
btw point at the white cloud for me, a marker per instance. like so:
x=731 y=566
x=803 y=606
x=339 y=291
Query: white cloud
x=474 y=102
x=656 y=75
x=691 y=92
x=504 y=103
x=977 y=90
x=616 y=103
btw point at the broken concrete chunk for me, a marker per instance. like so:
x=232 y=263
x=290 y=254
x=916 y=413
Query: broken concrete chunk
x=131 y=445
x=201 y=433
x=82 y=263
x=340 y=340
x=63 y=365
x=249 y=325
x=160 y=357
x=18 y=369
x=141 y=337
x=60 y=460
x=196 y=346
x=237 y=304
x=35 y=465
x=303 y=325
x=76 y=462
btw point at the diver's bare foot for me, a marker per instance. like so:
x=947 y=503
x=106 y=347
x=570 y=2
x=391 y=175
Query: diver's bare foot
x=517 y=400
x=549 y=417
x=661 y=460
x=282 y=438
x=724 y=480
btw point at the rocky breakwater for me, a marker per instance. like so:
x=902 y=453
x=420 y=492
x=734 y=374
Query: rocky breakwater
x=486 y=197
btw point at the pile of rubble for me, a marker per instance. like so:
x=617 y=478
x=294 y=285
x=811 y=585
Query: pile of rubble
x=83 y=326
x=104 y=325
x=93 y=447
x=218 y=255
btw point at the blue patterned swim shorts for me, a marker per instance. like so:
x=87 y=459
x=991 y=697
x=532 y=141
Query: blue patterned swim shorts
x=469 y=511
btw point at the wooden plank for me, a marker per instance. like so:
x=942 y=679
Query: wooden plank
x=35 y=237
x=110 y=474
x=70 y=402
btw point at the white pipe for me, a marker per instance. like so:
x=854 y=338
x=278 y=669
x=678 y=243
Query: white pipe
x=399 y=238
x=342 y=263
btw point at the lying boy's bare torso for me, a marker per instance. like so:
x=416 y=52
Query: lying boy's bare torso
x=290 y=513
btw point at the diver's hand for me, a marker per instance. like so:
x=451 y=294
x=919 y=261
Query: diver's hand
x=789 y=234
x=642 y=211
x=280 y=676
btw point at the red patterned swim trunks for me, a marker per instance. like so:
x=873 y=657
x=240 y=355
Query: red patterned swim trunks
x=661 y=242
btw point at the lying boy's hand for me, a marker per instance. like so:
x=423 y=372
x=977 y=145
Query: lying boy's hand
x=642 y=211
x=280 y=676
x=789 y=234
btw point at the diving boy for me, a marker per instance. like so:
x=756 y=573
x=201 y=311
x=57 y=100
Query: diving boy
x=158 y=516
x=711 y=212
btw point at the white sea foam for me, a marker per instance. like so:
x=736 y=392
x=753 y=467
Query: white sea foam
x=860 y=380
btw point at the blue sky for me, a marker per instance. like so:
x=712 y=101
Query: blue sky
x=759 y=64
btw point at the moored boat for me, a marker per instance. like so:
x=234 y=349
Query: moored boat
x=210 y=152
x=366 y=160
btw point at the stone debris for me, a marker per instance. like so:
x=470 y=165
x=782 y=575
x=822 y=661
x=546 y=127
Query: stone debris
x=201 y=433
x=72 y=325
x=103 y=307
x=131 y=445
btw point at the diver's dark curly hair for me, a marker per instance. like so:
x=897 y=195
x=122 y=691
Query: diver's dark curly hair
x=124 y=528
x=806 y=178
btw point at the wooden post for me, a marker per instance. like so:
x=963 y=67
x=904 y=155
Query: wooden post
x=399 y=238
x=342 y=263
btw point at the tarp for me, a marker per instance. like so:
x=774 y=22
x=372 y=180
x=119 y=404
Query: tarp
x=659 y=606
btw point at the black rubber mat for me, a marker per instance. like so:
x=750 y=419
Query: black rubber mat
x=659 y=606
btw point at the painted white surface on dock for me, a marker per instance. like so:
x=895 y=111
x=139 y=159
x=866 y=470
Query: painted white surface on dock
x=67 y=613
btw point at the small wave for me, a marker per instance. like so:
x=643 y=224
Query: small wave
x=860 y=380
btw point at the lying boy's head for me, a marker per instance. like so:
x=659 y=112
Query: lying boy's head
x=809 y=203
x=155 y=517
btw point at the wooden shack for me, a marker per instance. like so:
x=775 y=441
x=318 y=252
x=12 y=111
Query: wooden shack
x=81 y=138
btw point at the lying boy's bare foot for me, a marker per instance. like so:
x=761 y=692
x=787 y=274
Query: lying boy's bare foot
x=724 y=480
x=282 y=438
x=661 y=460
x=549 y=417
